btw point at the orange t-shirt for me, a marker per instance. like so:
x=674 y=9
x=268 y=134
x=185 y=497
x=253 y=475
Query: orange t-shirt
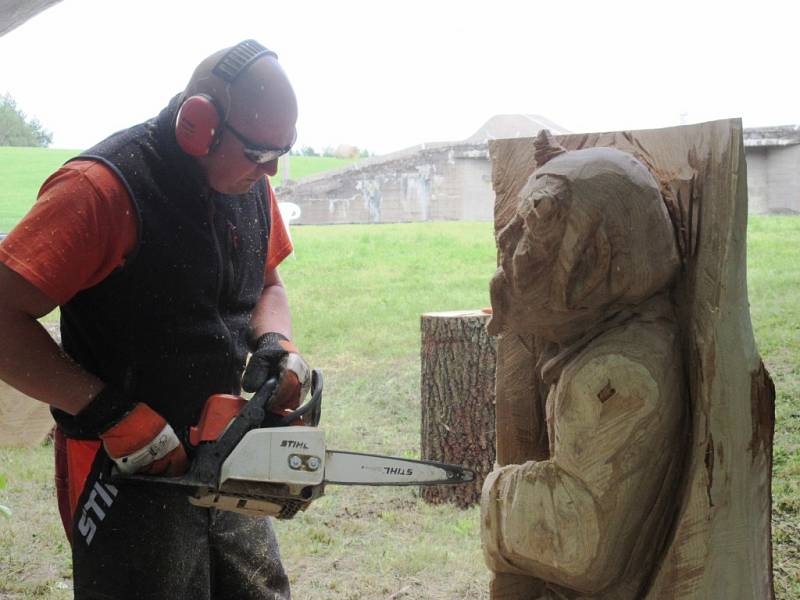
x=83 y=226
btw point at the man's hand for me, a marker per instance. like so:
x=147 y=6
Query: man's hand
x=135 y=437
x=143 y=442
x=275 y=355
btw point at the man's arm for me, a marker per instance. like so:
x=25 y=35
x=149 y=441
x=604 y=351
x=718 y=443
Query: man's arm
x=78 y=231
x=271 y=312
x=29 y=358
x=32 y=362
x=273 y=351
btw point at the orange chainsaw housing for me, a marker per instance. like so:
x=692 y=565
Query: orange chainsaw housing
x=218 y=412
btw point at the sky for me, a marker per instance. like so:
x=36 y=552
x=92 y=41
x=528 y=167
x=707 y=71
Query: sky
x=384 y=75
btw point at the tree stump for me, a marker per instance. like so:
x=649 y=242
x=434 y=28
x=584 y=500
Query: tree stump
x=458 y=362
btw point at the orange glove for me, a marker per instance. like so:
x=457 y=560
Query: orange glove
x=274 y=355
x=143 y=442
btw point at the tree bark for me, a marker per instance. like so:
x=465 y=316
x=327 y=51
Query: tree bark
x=458 y=362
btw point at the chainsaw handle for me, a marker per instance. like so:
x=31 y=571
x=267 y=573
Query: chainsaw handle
x=312 y=408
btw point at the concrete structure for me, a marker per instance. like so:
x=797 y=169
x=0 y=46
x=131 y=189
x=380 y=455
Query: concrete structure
x=426 y=183
x=444 y=181
x=773 y=169
x=452 y=181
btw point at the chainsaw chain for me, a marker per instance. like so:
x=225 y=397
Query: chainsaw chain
x=290 y=508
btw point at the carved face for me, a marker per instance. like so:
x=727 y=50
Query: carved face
x=529 y=245
x=590 y=235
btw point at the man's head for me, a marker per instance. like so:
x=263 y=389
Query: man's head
x=258 y=113
x=590 y=235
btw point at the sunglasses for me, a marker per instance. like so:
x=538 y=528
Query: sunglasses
x=260 y=155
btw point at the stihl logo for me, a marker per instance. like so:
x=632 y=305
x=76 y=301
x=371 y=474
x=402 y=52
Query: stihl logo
x=294 y=444
x=93 y=513
x=398 y=471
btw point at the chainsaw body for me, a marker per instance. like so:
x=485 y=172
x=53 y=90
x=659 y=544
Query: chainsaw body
x=249 y=460
x=272 y=471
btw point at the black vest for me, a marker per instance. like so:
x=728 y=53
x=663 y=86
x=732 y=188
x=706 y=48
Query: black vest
x=169 y=327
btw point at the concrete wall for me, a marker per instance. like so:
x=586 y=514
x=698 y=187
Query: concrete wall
x=427 y=183
x=783 y=173
x=773 y=179
x=773 y=169
x=757 y=181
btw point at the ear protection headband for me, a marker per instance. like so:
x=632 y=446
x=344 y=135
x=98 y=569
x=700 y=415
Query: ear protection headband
x=199 y=118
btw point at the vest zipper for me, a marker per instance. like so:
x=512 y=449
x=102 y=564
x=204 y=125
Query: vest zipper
x=220 y=284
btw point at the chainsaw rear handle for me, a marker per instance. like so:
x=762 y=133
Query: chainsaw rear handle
x=311 y=411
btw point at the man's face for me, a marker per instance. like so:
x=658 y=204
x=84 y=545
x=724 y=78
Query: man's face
x=228 y=169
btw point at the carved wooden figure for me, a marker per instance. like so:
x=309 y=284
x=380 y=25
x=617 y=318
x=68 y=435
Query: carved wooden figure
x=634 y=416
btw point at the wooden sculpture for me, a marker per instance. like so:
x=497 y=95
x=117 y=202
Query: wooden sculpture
x=634 y=416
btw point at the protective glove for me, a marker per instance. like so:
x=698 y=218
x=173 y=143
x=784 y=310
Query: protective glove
x=275 y=355
x=135 y=437
x=143 y=442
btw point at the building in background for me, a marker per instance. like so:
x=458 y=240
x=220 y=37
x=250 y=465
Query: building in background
x=451 y=181
x=773 y=169
x=441 y=181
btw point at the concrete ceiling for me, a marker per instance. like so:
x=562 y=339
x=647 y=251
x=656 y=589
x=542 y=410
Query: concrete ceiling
x=14 y=13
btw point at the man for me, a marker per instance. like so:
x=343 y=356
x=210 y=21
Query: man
x=161 y=245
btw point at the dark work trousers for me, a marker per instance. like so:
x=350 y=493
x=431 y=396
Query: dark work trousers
x=142 y=540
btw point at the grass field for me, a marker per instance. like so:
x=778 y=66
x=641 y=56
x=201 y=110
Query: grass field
x=357 y=293
x=23 y=170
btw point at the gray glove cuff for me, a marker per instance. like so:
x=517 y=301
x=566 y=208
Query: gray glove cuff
x=108 y=407
x=265 y=339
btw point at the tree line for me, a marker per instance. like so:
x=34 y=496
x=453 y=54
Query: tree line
x=16 y=129
x=340 y=151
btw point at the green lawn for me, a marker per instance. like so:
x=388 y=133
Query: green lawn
x=774 y=289
x=23 y=170
x=303 y=166
x=357 y=291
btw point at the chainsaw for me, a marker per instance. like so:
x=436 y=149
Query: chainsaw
x=252 y=461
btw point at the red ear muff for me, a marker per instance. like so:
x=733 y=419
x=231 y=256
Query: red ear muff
x=197 y=124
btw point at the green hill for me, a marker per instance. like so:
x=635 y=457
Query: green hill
x=23 y=170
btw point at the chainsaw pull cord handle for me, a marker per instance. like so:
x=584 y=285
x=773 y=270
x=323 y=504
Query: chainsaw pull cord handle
x=312 y=408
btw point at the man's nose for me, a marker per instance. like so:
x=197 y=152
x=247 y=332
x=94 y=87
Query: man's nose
x=270 y=168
